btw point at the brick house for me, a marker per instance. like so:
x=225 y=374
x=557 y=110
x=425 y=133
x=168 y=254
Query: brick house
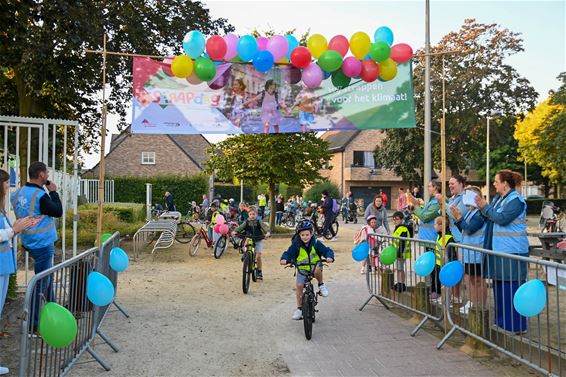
x=151 y=155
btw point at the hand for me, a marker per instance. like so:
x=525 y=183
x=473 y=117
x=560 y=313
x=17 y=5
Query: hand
x=456 y=212
x=329 y=260
x=51 y=186
x=480 y=201
x=267 y=235
x=23 y=223
x=283 y=262
x=438 y=198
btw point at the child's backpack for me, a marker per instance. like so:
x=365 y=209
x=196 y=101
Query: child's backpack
x=335 y=207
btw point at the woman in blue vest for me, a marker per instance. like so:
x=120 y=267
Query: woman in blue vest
x=506 y=232
x=7 y=251
x=428 y=213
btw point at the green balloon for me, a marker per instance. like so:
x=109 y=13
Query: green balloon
x=379 y=51
x=340 y=80
x=103 y=238
x=330 y=61
x=388 y=255
x=57 y=326
x=205 y=69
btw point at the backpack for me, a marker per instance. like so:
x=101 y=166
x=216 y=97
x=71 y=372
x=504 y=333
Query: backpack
x=335 y=207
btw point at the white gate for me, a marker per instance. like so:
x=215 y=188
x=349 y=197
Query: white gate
x=89 y=189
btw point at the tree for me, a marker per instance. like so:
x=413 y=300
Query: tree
x=293 y=159
x=478 y=81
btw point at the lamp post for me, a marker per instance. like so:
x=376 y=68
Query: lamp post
x=487 y=162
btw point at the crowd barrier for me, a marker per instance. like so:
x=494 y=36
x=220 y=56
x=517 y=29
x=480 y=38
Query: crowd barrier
x=65 y=284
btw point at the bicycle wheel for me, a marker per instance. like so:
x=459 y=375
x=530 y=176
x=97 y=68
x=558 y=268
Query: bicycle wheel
x=185 y=233
x=335 y=227
x=220 y=246
x=307 y=314
x=246 y=272
x=194 y=245
x=254 y=267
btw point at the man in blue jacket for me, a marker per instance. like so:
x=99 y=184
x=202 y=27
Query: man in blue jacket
x=327 y=210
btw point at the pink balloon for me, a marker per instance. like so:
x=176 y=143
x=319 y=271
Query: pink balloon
x=339 y=43
x=278 y=47
x=220 y=219
x=312 y=76
x=262 y=43
x=193 y=79
x=401 y=53
x=217 y=228
x=232 y=43
x=351 y=67
x=224 y=229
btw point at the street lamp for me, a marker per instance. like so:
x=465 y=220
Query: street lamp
x=490 y=115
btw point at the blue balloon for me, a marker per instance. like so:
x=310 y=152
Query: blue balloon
x=425 y=264
x=194 y=43
x=292 y=42
x=118 y=259
x=247 y=48
x=452 y=273
x=326 y=75
x=360 y=251
x=263 y=61
x=383 y=34
x=99 y=289
x=530 y=298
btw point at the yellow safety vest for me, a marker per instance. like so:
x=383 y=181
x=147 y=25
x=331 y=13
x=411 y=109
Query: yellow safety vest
x=439 y=246
x=407 y=244
x=304 y=260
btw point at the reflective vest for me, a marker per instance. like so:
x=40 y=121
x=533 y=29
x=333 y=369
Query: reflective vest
x=405 y=244
x=473 y=239
x=458 y=202
x=426 y=230
x=262 y=201
x=26 y=203
x=304 y=260
x=440 y=245
x=511 y=238
x=7 y=254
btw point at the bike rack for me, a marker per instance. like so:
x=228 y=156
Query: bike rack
x=146 y=234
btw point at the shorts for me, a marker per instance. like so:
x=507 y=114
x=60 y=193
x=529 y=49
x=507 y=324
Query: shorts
x=258 y=247
x=301 y=279
x=400 y=264
x=306 y=119
x=472 y=269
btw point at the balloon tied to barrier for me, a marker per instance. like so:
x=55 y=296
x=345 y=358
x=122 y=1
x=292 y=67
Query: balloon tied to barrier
x=368 y=61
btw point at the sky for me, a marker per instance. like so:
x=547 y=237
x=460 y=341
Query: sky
x=541 y=24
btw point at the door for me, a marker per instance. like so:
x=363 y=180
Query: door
x=366 y=194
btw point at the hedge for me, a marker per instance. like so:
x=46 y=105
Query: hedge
x=314 y=193
x=534 y=206
x=232 y=191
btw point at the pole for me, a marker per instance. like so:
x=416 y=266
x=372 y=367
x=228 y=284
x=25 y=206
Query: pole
x=525 y=192
x=487 y=162
x=241 y=190
x=427 y=174
x=102 y=149
x=443 y=178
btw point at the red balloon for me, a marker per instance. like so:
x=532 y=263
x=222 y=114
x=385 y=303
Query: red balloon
x=401 y=53
x=370 y=71
x=216 y=47
x=339 y=43
x=301 y=57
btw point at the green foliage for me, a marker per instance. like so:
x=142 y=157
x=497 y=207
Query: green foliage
x=315 y=192
x=12 y=287
x=232 y=191
x=126 y=212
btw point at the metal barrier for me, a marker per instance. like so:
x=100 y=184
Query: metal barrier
x=418 y=296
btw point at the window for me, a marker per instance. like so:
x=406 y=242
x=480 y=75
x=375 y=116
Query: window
x=364 y=159
x=148 y=158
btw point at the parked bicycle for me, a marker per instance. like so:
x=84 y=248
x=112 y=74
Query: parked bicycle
x=551 y=220
x=185 y=231
x=318 y=223
x=221 y=242
x=202 y=234
x=249 y=268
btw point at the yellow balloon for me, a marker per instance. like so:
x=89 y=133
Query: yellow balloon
x=359 y=45
x=182 y=66
x=283 y=61
x=387 y=69
x=317 y=44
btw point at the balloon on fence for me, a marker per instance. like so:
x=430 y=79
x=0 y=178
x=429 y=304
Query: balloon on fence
x=57 y=325
x=530 y=298
x=99 y=289
x=217 y=228
x=388 y=255
x=224 y=229
x=424 y=264
x=383 y=34
x=219 y=219
x=451 y=273
x=182 y=66
x=118 y=259
x=194 y=44
x=360 y=251
x=103 y=238
x=231 y=46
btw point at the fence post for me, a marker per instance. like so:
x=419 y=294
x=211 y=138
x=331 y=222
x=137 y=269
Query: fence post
x=148 y=201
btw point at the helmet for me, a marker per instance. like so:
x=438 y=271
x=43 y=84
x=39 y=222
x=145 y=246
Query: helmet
x=304 y=225
x=231 y=200
x=371 y=217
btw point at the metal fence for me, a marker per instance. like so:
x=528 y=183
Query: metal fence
x=89 y=189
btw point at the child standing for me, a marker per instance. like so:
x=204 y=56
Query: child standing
x=270 y=104
x=403 y=249
x=363 y=235
x=257 y=229
x=238 y=99
x=306 y=100
x=440 y=245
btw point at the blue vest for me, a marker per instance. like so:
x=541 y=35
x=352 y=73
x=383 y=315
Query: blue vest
x=473 y=239
x=511 y=238
x=426 y=230
x=26 y=203
x=458 y=202
x=7 y=254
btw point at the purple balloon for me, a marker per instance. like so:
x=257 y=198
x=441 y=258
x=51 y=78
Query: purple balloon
x=312 y=76
x=262 y=43
x=232 y=43
x=294 y=75
x=351 y=66
x=278 y=47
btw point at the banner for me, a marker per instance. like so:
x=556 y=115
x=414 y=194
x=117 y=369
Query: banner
x=242 y=100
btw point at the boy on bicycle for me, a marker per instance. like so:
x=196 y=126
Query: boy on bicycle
x=316 y=254
x=257 y=229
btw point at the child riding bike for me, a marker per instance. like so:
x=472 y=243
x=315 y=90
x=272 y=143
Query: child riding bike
x=259 y=230
x=297 y=253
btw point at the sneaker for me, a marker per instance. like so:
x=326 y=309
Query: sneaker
x=259 y=275
x=466 y=308
x=323 y=290
x=297 y=314
x=4 y=370
x=363 y=270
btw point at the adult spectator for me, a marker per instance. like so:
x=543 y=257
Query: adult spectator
x=402 y=200
x=506 y=232
x=327 y=205
x=377 y=209
x=347 y=200
x=279 y=209
x=456 y=186
x=262 y=202
x=204 y=204
x=169 y=201
x=417 y=192
x=384 y=197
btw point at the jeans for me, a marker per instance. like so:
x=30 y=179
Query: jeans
x=278 y=217
x=328 y=220
x=4 y=283
x=43 y=260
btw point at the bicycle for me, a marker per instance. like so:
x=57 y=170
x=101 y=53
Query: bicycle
x=220 y=244
x=202 y=234
x=249 y=268
x=185 y=231
x=318 y=225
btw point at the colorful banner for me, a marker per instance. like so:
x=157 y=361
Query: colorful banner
x=242 y=100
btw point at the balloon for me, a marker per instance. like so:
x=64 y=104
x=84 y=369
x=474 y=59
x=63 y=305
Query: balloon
x=388 y=255
x=330 y=61
x=57 y=325
x=401 y=53
x=359 y=44
x=217 y=228
x=99 y=289
x=292 y=43
x=103 y=238
x=216 y=47
x=182 y=66
x=118 y=259
x=451 y=273
x=205 y=69
x=326 y=75
x=221 y=78
x=530 y=298
x=294 y=75
x=370 y=71
x=351 y=66
x=193 y=79
x=231 y=46
x=360 y=251
x=379 y=51
x=262 y=43
x=193 y=43
x=339 y=43
x=340 y=80
x=312 y=76
x=224 y=229
x=301 y=57
x=247 y=48
x=317 y=45
x=278 y=47
x=219 y=219
x=383 y=34
x=263 y=61
x=387 y=70
x=424 y=264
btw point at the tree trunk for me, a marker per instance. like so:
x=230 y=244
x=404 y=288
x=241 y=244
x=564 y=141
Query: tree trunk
x=271 y=206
